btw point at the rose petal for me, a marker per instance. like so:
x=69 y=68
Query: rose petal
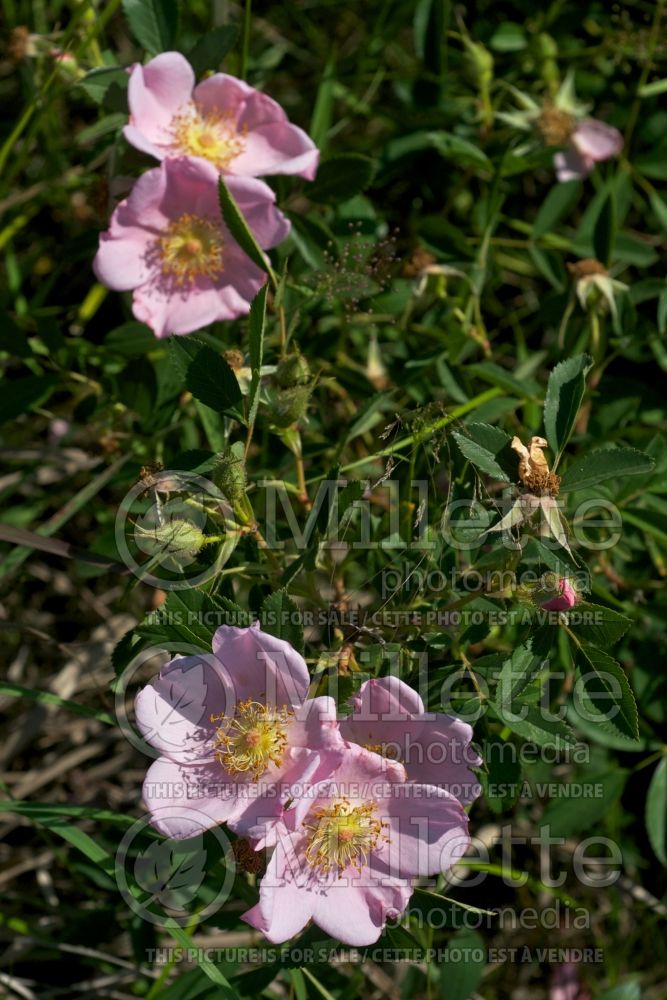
x=596 y=140
x=156 y=91
x=173 y=712
x=260 y=666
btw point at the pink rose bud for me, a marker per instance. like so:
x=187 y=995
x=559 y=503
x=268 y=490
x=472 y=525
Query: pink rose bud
x=566 y=599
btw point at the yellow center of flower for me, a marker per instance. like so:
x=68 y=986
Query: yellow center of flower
x=555 y=125
x=342 y=835
x=191 y=247
x=211 y=134
x=253 y=740
x=388 y=750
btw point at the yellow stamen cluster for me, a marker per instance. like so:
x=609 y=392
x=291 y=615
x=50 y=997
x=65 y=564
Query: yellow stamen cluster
x=191 y=247
x=388 y=750
x=555 y=125
x=254 y=739
x=342 y=835
x=211 y=134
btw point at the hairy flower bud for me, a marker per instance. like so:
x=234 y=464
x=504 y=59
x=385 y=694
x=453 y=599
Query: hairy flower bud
x=288 y=406
x=293 y=371
x=229 y=472
x=176 y=543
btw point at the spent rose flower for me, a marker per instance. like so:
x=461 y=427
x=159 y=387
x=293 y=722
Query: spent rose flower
x=565 y=598
x=168 y=243
x=347 y=854
x=388 y=717
x=235 y=127
x=237 y=739
x=565 y=122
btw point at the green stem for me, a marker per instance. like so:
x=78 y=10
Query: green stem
x=245 y=40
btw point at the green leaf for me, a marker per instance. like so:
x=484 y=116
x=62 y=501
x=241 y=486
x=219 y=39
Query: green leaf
x=502 y=780
x=342 y=177
x=604 y=233
x=490 y=372
x=653 y=89
x=605 y=691
x=107 y=86
x=23 y=394
x=556 y=206
x=660 y=208
x=211 y=49
x=154 y=23
x=597 y=625
x=210 y=380
x=517 y=673
x=226 y=991
x=191 y=617
x=508 y=37
x=240 y=230
x=48 y=698
x=461 y=974
x=603 y=464
x=280 y=616
x=565 y=392
x=460 y=150
x=627 y=991
x=256 y=326
x=568 y=815
x=131 y=338
x=538 y=726
x=480 y=457
x=656 y=811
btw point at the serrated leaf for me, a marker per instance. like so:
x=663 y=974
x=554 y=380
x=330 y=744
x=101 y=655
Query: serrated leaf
x=154 y=23
x=240 y=230
x=517 y=672
x=597 y=625
x=211 y=49
x=191 y=616
x=342 y=177
x=537 y=725
x=605 y=691
x=210 y=380
x=606 y=463
x=656 y=811
x=171 y=874
x=107 y=86
x=565 y=392
x=280 y=616
x=481 y=457
x=131 y=338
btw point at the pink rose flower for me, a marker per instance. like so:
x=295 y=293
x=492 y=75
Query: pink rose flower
x=566 y=599
x=591 y=142
x=167 y=241
x=235 y=127
x=347 y=854
x=236 y=737
x=388 y=717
